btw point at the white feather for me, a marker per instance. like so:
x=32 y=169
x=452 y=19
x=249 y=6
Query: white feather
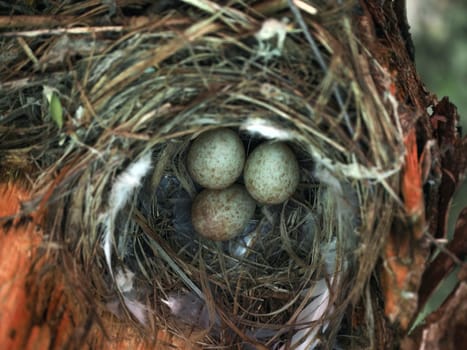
x=190 y=308
x=264 y=128
x=122 y=190
x=305 y=337
x=137 y=309
x=124 y=280
x=128 y=181
x=314 y=311
x=357 y=170
x=344 y=197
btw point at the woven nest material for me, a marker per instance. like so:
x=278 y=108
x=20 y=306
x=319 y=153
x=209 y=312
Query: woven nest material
x=118 y=195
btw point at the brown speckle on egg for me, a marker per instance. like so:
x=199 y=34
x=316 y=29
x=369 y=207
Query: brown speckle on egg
x=222 y=214
x=216 y=158
x=271 y=173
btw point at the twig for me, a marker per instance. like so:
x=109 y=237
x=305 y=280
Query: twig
x=306 y=7
x=34 y=21
x=33 y=80
x=28 y=51
x=319 y=57
x=60 y=31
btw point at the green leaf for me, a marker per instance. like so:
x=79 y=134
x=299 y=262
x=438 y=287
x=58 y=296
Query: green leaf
x=56 y=110
x=438 y=297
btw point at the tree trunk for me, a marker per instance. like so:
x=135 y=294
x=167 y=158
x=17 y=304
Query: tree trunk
x=442 y=155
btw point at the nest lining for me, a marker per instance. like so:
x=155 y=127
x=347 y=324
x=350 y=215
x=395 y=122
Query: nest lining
x=151 y=92
x=278 y=255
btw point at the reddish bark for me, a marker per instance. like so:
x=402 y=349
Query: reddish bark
x=40 y=307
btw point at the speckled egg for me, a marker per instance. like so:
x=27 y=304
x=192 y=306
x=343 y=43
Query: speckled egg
x=271 y=173
x=220 y=215
x=216 y=158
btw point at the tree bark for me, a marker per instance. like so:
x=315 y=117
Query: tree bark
x=442 y=158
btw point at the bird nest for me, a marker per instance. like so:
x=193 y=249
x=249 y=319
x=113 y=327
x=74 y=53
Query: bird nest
x=111 y=137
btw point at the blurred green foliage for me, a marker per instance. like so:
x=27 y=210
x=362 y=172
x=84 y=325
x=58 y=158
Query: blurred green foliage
x=439 y=35
x=439 y=32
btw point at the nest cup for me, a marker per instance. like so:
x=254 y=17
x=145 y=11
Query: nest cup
x=122 y=205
